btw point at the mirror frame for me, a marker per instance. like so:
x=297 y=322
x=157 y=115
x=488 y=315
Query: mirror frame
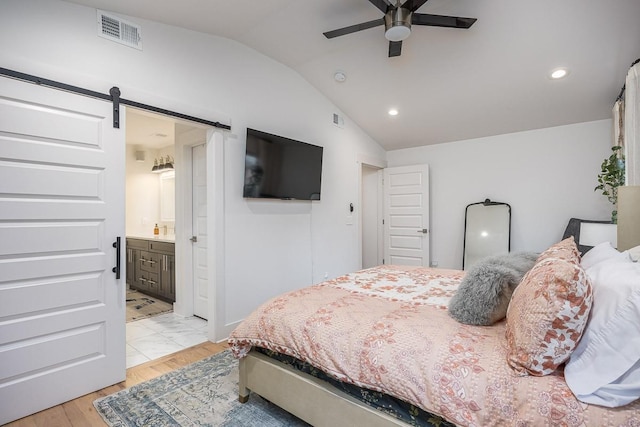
x=489 y=205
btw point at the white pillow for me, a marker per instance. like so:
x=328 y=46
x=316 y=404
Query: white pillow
x=601 y=252
x=604 y=368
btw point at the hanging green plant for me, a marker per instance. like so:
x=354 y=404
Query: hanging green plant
x=611 y=177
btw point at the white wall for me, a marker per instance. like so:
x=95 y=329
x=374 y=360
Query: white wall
x=547 y=176
x=272 y=246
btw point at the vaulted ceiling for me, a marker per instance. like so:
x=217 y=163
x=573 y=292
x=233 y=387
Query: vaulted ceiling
x=448 y=84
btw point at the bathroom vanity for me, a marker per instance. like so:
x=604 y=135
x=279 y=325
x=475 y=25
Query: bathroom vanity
x=151 y=266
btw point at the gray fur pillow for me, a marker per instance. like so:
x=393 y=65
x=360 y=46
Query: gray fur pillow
x=485 y=291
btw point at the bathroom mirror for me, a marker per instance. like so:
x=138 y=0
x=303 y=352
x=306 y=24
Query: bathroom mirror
x=167 y=197
x=487 y=231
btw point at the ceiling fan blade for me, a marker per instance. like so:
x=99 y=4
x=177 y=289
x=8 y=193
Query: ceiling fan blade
x=383 y=5
x=441 y=21
x=353 y=28
x=395 y=49
x=413 y=5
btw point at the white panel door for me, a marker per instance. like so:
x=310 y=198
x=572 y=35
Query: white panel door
x=62 y=312
x=200 y=275
x=406 y=215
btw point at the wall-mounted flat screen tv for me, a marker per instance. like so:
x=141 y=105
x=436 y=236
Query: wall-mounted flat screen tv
x=281 y=168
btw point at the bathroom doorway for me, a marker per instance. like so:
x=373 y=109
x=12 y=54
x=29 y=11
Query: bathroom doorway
x=153 y=220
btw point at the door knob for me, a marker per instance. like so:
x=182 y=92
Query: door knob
x=194 y=239
x=423 y=231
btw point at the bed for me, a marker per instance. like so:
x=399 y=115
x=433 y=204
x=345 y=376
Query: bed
x=387 y=330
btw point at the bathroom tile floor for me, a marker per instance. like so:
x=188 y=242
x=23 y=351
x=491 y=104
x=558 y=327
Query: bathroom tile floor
x=157 y=336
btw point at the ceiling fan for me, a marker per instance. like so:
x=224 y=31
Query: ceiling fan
x=397 y=22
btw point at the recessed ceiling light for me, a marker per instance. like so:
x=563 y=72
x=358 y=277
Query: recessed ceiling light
x=393 y=112
x=559 y=73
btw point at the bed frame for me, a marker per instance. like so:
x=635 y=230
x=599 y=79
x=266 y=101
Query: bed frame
x=309 y=398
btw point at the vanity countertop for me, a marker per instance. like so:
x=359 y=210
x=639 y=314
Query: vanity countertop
x=171 y=238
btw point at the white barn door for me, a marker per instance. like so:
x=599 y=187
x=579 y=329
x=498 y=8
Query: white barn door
x=62 y=312
x=406 y=215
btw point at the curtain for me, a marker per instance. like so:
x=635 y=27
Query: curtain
x=631 y=132
x=618 y=123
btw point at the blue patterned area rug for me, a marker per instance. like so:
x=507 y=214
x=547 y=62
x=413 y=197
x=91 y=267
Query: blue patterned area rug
x=204 y=393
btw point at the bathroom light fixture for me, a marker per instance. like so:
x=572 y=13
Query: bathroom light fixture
x=162 y=165
x=393 y=112
x=168 y=164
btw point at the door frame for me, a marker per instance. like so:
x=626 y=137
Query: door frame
x=364 y=161
x=214 y=146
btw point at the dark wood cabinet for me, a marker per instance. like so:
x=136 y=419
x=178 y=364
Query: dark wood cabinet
x=131 y=263
x=168 y=276
x=151 y=267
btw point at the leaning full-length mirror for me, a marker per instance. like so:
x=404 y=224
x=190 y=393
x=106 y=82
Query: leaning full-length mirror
x=487 y=231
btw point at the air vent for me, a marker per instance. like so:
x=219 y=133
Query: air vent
x=118 y=30
x=338 y=120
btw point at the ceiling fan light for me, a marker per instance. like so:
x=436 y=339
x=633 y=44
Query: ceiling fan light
x=397 y=33
x=397 y=24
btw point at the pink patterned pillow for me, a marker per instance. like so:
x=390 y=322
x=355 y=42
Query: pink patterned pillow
x=546 y=316
x=565 y=249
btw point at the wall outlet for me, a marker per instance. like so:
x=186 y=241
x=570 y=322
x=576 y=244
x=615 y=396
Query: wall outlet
x=434 y=264
x=326 y=276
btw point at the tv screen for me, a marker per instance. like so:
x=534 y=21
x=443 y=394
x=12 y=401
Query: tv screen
x=281 y=168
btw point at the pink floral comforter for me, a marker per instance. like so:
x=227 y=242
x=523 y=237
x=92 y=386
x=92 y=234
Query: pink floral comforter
x=387 y=329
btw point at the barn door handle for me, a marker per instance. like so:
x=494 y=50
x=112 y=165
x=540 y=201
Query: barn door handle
x=116 y=269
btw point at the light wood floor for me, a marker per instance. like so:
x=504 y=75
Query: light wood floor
x=80 y=411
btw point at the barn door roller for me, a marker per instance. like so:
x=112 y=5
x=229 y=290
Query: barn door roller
x=115 y=99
